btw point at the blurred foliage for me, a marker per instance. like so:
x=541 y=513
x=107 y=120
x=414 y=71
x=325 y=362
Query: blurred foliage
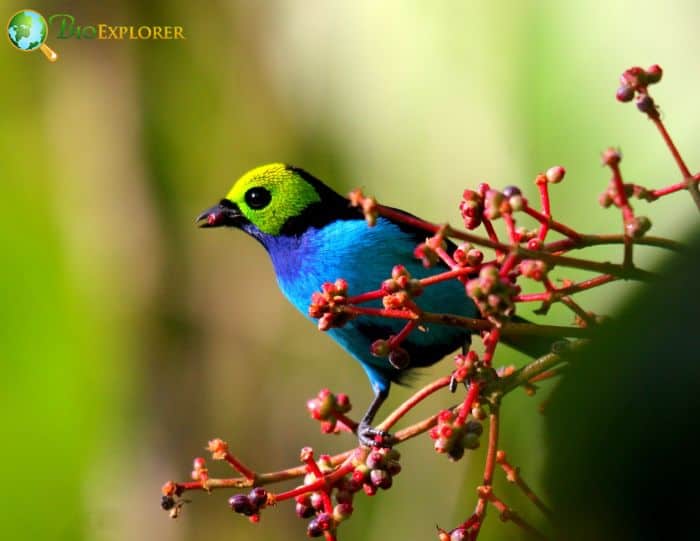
x=128 y=337
x=628 y=470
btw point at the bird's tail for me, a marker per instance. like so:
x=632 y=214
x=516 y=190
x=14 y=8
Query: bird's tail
x=533 y=346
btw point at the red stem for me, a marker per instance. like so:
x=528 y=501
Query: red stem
x=382 y=312
x=395 y=341
x=239 y=467
x=329 y=479
x=466 y=409
x=365 y=297
x=672 y=147
x=510 y=227
x=448 y=275
x=669 y=189
x=627 y=213
x=508 y=264
x=308 y=459
x=491 y=343
x=557 y=226
x=413 y=401
x=447 y=258
x=349 y=423
x=493 y=236
x=546 y=209
x=568 y=290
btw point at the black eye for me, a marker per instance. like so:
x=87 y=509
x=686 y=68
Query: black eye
x=257 y=198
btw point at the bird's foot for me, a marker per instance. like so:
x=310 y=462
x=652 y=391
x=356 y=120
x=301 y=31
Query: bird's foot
x=371 y=437
x=454 y=382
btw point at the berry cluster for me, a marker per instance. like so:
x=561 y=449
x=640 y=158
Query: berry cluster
x=535 y=269
x=493 y=293
x=376 y=471
x=368 y=205
x=452 y=435
x=472 y=206
x=497 y=203
x=324 y=305
x=250 y=504
x=400 y=289
x=634 y=82
x=465 y=255
x=327 y=407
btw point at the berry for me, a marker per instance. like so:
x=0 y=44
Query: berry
x=399 y=358
x=624 y=93
x=458 y=534
x=167 y=503
x=241 y=504
x=510 y=191
x=342 y=511
x=646 y=105
x=304 y=511
x=258 y=497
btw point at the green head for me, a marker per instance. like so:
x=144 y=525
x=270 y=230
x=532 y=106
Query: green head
x=275 y=199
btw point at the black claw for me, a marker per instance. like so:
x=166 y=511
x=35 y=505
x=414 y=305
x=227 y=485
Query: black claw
x=371 y=437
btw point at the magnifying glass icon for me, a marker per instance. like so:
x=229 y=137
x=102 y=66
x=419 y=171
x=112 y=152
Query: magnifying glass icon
x=27 y=30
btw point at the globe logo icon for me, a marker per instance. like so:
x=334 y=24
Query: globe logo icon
x=27 y=30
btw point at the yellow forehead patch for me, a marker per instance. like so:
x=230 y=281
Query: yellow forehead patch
x=290 y=196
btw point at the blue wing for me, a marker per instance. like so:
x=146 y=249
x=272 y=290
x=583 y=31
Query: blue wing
x=364 y=256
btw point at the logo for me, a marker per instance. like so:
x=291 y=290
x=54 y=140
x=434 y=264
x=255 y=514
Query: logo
x=27 y=30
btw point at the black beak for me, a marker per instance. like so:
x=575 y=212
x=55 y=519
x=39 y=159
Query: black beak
x=223 y=214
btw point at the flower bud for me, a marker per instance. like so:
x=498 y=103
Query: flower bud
x=342 y=511
x=375 y=460
x=380 y=348
x=555 y=174
x=654 y=74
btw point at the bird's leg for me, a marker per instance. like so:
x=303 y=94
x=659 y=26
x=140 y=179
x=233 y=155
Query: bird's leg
x=367 y=434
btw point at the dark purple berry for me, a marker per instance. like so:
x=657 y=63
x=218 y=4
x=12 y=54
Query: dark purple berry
x=344 y=496
x=624 y=93
x=314 y=529
x=167 y=503
x=646 y=105
x=399 y=358
x=241 y=504
x=393 y=467
x=305 y=511
x=380 y=478
x=510 y=191
x=258 y=497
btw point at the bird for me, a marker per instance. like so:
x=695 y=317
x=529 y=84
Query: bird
x=313 y=235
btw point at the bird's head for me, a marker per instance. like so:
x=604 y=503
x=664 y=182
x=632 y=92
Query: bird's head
x=273 y=200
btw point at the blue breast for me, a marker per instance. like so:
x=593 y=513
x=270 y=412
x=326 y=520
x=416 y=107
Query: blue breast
x=364 y=256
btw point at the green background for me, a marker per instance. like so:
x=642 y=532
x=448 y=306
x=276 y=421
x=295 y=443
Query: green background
x=128 y=337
